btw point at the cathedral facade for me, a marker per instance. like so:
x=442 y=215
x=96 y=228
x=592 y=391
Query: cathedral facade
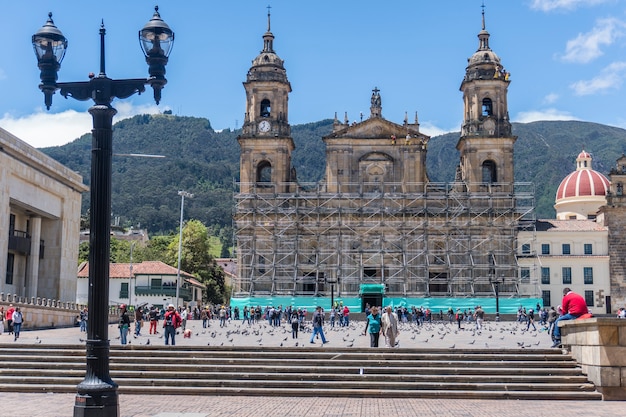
x=375 y=229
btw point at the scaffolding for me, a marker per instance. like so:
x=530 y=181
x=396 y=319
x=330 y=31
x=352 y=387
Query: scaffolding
x=442 y=240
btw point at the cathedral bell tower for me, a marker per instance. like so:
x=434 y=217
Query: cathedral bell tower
x=486 y=142
x=266 y=143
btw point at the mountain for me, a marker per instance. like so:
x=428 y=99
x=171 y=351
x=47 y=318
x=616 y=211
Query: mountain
x=206 y=163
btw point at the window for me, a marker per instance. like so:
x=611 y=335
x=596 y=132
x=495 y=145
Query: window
x=124 y=290
x=489 y=172
x=487 y=107
x=11 y=224
x=266 y=108
x=545 y=249
x=589 y=297
x=156 y=283
x=567 y=275
x=588 y=249
x=545 y=275
x=588 y=275
x=264 y=172
x=526 y=249
x=10 y=266
x=525 y=275
x=545 y=296
x=566 y=249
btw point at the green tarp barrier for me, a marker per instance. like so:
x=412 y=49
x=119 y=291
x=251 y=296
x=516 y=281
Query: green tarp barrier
x=507 y=305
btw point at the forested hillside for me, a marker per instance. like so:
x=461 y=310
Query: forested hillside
x=206 y=163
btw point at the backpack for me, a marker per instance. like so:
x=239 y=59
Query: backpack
x=168 y=319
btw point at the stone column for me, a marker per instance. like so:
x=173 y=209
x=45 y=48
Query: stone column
x=32 y=268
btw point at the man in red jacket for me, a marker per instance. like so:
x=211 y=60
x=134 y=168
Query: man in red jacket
x=573 y=306
x=171 y=322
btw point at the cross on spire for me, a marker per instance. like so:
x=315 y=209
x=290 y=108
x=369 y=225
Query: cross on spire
x=268 y=17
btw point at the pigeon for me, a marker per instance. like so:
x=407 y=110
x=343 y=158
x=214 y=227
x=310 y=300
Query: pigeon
x=148 y=342
x=472 y=342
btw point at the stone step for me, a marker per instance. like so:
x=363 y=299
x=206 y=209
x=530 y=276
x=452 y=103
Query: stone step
x=286 y=391
x=254 y=374
x=316 y=371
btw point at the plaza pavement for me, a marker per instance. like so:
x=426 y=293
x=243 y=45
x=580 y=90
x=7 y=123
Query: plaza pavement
x=435 y=335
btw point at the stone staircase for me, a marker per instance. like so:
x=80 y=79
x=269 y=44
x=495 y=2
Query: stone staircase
x=318 y=371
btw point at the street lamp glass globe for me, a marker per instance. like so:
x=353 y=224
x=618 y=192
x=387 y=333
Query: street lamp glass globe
x=156 y=37
x=49 y=43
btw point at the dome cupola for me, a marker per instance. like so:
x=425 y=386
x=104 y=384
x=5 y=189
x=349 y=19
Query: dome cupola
x=582 y=192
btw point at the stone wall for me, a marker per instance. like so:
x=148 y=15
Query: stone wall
x=599 y=346
x=42 y=313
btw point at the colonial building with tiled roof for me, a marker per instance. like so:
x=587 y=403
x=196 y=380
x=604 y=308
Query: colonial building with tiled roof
x=145 y=283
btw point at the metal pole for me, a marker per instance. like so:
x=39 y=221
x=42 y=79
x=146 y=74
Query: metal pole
x=182 y=194
x=97 y=393
x=130 y=283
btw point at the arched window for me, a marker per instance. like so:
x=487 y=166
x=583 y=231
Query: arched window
x=487 y=107
x=264 y=172
x=266 y=108
x=489 y=172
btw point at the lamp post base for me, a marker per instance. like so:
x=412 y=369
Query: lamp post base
x=105 y=404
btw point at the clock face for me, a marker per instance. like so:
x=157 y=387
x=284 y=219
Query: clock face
x=264 y=126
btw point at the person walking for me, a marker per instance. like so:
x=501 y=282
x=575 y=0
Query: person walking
x=1 y=320
x=153 y=315
x=222 y=315
x=373 y=324
x=552 y=316
x=9 y=316
x=138 y=321
x=294 y=325
x=479 y=315
x=459 y=317
x=124 y=324
x=83 y=320
x=18 y=319
x=531 y=320
x=183 y=316
x=573 y=306
x=171 y=322
x=318 y=323
x=389 y=327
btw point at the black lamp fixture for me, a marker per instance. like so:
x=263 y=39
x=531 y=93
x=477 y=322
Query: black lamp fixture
x=97 y=393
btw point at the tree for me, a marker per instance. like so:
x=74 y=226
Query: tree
x=195 y=259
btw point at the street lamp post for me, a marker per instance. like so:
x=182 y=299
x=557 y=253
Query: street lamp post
x=495 y=282
x=97 y=394
x=130 y=282
x=182 y=195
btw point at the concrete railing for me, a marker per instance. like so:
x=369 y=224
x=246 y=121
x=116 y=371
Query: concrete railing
x=46 y=313
x=599 y=346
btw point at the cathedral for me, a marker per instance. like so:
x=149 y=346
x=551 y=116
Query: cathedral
x=375 y=230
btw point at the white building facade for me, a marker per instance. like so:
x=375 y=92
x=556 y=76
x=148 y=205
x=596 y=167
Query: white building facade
x=40 y=207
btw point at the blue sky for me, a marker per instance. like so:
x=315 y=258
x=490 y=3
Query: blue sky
x=567 y=59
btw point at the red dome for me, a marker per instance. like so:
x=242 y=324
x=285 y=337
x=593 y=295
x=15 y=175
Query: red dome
x=583 y=182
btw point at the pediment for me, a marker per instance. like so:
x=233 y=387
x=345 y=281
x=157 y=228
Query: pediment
x=374 y=128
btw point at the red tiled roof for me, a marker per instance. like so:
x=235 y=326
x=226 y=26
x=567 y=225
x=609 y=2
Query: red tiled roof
x=122 y=270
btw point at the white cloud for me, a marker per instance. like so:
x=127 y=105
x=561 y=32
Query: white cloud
x=587 y=46
x=610 y=78
x=549 y=5
x=542 y=115
x=431 y=130
x=550 y=98
x=42 y=129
